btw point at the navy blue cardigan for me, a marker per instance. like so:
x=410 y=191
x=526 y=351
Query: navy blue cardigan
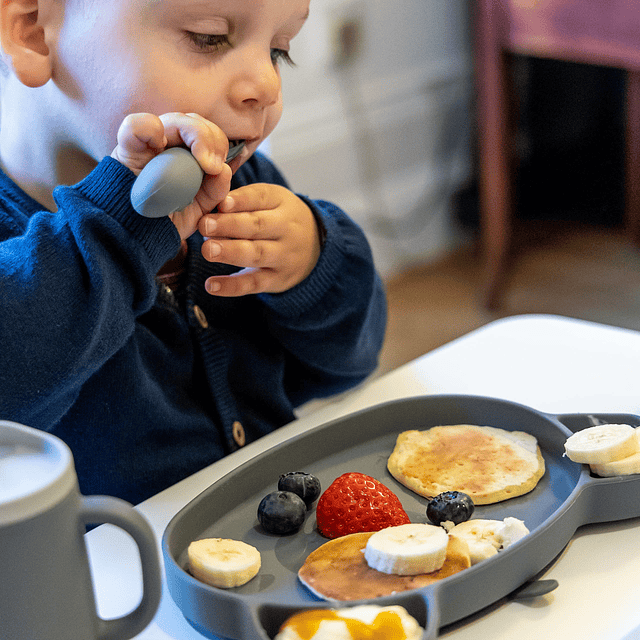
x=94 y=350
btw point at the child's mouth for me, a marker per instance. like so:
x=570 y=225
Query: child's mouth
x=235 y=147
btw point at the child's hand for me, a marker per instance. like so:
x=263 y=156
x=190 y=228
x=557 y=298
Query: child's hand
x=268 y=230
x=142 y=136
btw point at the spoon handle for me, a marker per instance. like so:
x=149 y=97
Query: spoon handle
x=170 y=181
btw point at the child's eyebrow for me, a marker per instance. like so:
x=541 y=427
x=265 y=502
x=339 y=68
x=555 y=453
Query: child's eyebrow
x=302 y=18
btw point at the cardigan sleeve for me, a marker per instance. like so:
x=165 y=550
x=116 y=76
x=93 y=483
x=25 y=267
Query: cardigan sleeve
x=334 y=321
x=332 y=324
x=72 y=284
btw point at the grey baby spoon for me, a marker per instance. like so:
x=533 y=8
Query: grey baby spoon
x=170 y=181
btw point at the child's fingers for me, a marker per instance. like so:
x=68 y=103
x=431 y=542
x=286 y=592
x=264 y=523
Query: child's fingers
x=254 y=197
x=140 y=137
x=268 y=232
x=243 y=253
x=214 y=189
x=207 y=142
x=139 y=131
x=257 y=225
x=253 y=212
x=245 y=282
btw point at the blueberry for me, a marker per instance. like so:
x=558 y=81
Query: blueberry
x=454 y=506
x=281 y=512
x=302 y=484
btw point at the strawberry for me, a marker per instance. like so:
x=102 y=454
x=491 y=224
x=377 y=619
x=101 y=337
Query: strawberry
x=355 y=502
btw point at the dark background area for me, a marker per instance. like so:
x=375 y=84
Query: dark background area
x=569 y=144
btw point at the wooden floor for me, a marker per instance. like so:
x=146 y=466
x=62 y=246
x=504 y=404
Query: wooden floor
x=586 y=272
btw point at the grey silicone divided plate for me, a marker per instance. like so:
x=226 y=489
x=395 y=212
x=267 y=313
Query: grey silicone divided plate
x=567 y=497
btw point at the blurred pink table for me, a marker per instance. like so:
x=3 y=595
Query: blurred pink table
x=599 y=32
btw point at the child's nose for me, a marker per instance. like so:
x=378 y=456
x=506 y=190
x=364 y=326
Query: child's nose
x=258 y=84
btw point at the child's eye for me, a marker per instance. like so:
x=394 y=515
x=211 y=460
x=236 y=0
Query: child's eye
x=207 y=42
x=212 y=43
x=280 y=55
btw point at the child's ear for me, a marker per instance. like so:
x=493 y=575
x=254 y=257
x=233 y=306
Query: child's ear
x=23 y=41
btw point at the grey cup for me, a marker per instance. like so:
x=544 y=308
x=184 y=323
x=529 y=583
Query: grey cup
x=46 y=591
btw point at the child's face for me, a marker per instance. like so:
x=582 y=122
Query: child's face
x=217 y=58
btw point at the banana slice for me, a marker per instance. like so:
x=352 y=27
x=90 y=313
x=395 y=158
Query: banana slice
x=408 y=549
x=224 y=563
x=486 y=537
x=602 y=444
x=623 y=467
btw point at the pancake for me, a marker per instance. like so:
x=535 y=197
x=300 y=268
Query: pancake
x=487 y=463
x=337 y=570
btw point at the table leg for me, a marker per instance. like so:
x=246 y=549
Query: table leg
x=495 y=158
x=632 y=161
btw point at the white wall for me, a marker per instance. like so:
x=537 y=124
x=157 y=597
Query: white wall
x=386 y=137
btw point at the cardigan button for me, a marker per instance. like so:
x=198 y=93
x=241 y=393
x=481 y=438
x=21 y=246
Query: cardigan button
x=200 y=317
x=238 y=433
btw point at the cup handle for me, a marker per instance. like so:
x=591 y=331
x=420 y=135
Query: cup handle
x=106 y=509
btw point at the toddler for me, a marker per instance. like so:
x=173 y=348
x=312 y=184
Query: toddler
x=153 y=347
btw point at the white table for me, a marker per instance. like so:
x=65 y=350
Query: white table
x=550 y=363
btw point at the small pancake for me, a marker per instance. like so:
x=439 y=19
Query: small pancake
x=337 y=570
x=487 y=463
